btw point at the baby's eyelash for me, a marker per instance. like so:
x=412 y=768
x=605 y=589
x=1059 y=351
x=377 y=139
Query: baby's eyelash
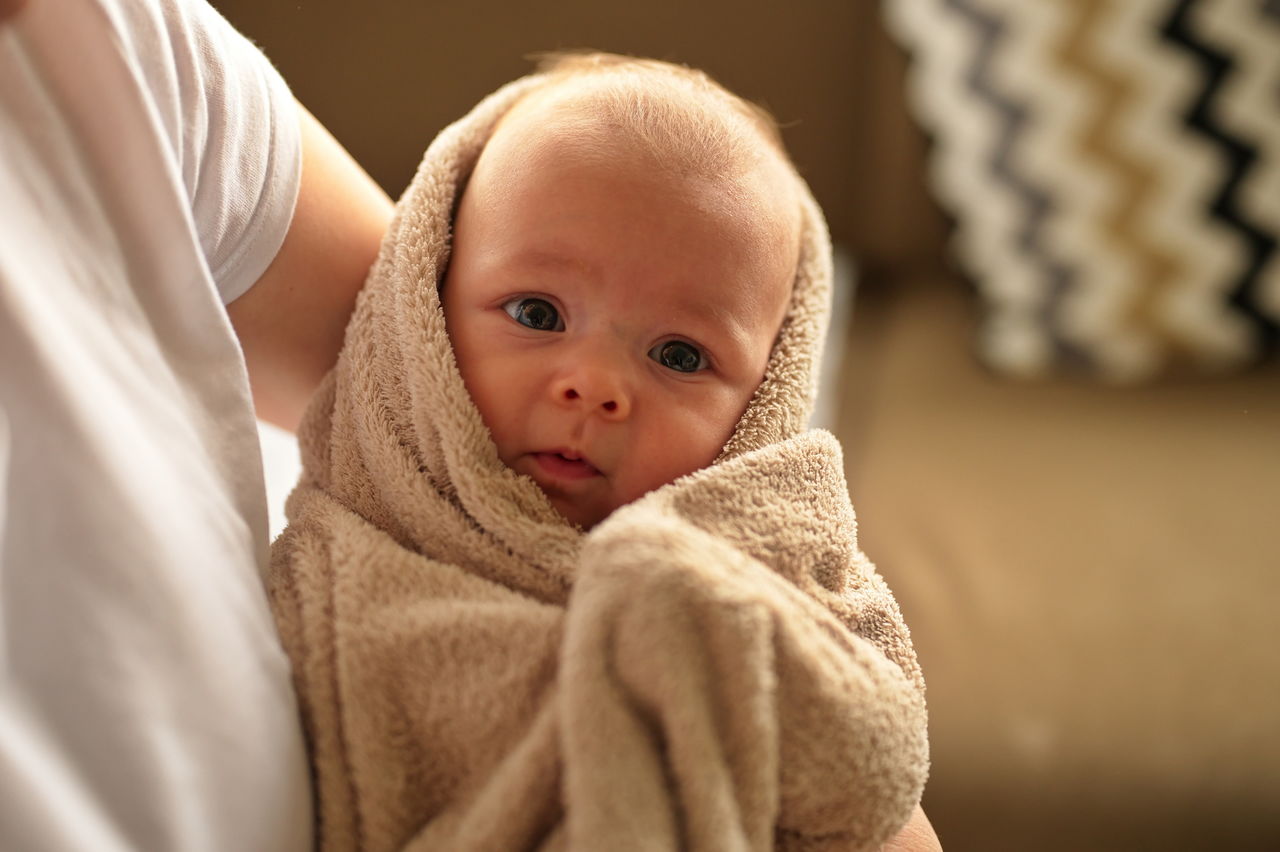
x=680 y=356
x=534 y=312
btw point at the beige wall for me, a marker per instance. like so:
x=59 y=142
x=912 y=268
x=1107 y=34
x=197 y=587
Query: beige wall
x=386 y=79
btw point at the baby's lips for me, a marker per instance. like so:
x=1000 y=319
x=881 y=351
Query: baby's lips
x=565 y=464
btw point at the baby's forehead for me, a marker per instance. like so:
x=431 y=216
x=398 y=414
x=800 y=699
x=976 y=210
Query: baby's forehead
x=667 y=131
x=697 y=130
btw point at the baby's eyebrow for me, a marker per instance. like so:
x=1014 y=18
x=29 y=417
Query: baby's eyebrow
x=726 y=329
x=559 y=261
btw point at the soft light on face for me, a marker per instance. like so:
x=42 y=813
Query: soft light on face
x=611 y=321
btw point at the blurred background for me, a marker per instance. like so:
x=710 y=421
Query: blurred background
x=1059 y=400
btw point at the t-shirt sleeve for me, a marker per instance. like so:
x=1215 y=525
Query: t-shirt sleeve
x=232 y=125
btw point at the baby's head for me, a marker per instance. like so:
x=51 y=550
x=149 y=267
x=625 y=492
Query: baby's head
x=622 y=259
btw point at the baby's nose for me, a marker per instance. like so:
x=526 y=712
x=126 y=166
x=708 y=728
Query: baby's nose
x=595 y=388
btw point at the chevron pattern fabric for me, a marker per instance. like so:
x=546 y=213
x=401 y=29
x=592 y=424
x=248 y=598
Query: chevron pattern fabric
x=1113 y=168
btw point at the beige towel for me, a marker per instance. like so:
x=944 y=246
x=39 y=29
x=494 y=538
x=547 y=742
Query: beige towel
x=714 y=667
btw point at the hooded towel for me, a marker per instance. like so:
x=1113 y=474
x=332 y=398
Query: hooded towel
x=714 y=667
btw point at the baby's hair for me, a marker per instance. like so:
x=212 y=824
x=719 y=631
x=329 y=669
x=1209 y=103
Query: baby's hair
x=679 y=113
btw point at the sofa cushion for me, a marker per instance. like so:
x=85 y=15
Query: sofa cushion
x=1089 y=574
x=1114 y=171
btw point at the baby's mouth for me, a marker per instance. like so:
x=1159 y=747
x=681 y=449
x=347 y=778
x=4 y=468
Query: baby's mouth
x=565 y=465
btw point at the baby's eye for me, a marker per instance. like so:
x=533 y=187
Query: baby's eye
x=679 y=356
x=537 y=314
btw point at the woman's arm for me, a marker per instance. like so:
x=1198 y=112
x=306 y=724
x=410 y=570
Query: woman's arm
x=291 y=322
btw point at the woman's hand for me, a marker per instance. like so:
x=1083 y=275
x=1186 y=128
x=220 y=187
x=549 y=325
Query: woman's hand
x=916 y=836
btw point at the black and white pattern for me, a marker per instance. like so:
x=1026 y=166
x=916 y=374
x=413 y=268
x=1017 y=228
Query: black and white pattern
x=1114 y=171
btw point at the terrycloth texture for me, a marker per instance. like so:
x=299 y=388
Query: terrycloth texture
x=714 y=667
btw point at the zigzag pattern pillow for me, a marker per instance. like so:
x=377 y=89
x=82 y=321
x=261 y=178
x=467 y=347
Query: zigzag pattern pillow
x=1114 y=172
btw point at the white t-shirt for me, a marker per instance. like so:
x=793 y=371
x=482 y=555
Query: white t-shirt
x=149 y=163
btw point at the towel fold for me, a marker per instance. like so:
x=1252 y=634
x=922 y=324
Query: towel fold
x=714 y=667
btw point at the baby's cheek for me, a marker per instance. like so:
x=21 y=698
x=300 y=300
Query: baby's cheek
x=685 y=440
x=677 y=458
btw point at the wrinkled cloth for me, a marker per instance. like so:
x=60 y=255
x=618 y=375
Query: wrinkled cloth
x=714 y=667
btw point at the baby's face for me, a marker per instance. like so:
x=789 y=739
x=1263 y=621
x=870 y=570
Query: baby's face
x=610 y=322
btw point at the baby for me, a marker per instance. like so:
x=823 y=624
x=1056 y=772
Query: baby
x=564 y=569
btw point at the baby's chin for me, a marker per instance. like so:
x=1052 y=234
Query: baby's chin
x=587 y=509
x=585 y=516
x=588 y=513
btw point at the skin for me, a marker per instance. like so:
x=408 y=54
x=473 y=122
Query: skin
x=630 y=258
x=291 y=322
